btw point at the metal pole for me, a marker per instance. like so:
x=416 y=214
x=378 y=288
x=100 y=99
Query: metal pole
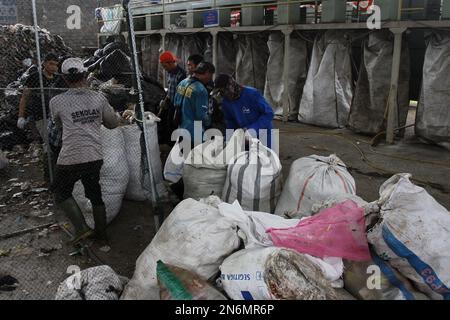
x=158 y=213
x=392 y=120
x=41 y=85
x=215 y=48
x=215 y=40
x=163 y=44
x=316 y=12
x=286 y=68
x=399 y=12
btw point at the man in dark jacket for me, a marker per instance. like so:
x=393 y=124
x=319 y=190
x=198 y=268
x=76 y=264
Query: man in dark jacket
x=176 y=74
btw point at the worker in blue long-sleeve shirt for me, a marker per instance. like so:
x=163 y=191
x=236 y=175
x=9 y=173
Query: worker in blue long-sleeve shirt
x=192 y=99
x=245 y=108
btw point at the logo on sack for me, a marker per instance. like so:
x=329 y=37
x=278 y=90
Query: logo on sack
x=236 y=277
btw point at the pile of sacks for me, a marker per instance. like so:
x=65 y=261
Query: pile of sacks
x=204 y=238
x=124 y=174
x=324 y=242
x=252 y=177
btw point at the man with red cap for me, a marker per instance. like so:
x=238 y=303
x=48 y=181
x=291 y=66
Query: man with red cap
x=167 y=112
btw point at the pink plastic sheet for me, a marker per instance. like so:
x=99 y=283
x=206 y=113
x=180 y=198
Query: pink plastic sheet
x=334 y=232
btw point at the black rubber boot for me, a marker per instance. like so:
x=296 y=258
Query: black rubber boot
x=99 y=213
x=74 y=214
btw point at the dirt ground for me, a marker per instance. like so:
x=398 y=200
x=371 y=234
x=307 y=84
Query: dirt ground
x=39 y=259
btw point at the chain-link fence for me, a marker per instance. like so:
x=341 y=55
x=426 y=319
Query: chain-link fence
x=74 y=156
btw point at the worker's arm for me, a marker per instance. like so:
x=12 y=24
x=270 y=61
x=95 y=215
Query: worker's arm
x=228 y=117
x=21 y=121
x=201 y=103
x=54 y=113
x=110 y=119
x=266 y=113
x=24 y=102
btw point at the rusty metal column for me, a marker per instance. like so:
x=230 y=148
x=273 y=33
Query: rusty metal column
x=286 y=67
x=392 y=120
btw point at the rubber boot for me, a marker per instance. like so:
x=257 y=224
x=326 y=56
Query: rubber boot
x=73 y=212
x=99 y=213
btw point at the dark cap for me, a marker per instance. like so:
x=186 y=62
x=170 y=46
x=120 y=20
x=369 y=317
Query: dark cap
x=222 y=80
x=51 y=57
x=204 y=67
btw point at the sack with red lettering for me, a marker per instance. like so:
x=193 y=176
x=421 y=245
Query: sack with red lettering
x=412 y=234
x=312 y=180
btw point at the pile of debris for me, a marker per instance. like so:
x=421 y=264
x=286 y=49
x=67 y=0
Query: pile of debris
x=111 y=71
x=17 y=43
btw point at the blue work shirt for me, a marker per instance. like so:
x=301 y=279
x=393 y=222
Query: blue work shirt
x=250 y=111
x=193 y=98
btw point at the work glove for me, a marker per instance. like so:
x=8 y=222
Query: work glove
x=21 y=123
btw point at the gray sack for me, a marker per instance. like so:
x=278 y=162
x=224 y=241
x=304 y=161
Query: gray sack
x=298 y=68
x=433 y=113
x=372 y=90
x=328 y=91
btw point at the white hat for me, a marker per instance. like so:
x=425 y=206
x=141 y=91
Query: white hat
x=73 y=63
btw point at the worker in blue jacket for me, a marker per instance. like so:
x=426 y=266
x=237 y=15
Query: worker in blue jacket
x=192 y=100
x=245 y=108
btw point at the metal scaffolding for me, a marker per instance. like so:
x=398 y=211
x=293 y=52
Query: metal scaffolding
x=164 y=8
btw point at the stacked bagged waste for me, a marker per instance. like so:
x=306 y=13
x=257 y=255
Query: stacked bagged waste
x=254 y=179
x=412 y=235
x=195 y=237
x=98 y=283
x=433 y=116
x=140 y=185
x=17 y=43
x=151 y=49
x=368 y=113
x=275 y=90
x=114 y=176
x=3 y=161
x=200 y=238
x=311 y=180
x=197 y=44
x=226 y=53
x=174 y=44
x=205 y=169
x=328 y=91
x=262 y=271
x=251 y=60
